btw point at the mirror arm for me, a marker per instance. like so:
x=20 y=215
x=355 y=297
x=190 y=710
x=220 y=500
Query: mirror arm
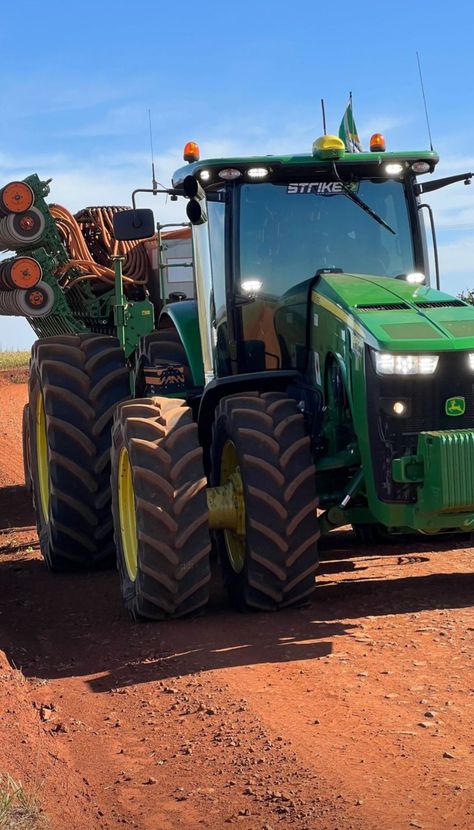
x=168 y=191
x=427 y=187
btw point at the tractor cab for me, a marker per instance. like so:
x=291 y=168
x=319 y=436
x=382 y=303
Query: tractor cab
x=265 y=229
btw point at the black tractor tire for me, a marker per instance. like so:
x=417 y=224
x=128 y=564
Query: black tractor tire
x=76 y=381
x=279 y=491
x=25 y=432
x=167 y=509
x=161 y=348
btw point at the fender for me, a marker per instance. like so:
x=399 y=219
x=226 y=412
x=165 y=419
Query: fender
x=277 y=380
x=183 y=316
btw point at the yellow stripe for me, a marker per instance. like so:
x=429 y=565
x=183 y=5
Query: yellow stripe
x=338 y=312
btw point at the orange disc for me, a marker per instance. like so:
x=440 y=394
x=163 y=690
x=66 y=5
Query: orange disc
x=25 y=272
x=16 y=197
x=36 y=298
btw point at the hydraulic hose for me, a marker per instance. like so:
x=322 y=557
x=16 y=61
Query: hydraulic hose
x=90 y=243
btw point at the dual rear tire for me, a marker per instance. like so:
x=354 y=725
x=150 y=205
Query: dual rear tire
x=76 y=382
x=273 y=563
x=143 y=480
x=159 y=509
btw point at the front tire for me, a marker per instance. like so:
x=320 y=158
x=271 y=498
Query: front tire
x=76 y=382
x=160 y=510
x=261 y=438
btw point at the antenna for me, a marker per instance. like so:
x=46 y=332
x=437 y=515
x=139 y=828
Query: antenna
x=324 y=115
x=154 y=183
x=424 y=100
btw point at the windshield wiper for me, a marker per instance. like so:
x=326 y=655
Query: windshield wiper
x=359 y=201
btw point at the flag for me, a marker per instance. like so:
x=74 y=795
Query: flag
x=348 y=131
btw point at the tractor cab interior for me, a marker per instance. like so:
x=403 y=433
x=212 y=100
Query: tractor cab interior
x=289 y=232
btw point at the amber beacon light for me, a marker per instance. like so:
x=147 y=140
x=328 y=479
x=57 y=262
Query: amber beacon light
x=377 y=143
x=191 y=151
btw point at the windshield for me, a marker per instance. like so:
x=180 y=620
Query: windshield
x=289 y=231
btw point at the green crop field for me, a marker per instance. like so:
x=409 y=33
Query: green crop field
x=14 y=360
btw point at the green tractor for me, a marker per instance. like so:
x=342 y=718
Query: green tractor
x=315 y=381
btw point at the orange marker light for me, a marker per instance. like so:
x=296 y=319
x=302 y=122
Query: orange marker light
x=191 y=151
x=377 y=143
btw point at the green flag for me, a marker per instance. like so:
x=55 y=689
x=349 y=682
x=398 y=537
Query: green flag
x=348 y=131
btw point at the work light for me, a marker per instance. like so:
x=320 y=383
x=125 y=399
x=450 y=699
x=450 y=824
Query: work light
x=257 y=172
x=393 y=169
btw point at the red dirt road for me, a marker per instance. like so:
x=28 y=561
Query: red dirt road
x=353 y=712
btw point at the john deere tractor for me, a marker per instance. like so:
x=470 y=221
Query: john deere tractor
x=317 y=380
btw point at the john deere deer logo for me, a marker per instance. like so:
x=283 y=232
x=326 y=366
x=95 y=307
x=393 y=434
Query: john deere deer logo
x=455 y=406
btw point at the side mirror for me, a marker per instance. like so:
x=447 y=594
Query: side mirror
x=195 y=208
x=134 y=224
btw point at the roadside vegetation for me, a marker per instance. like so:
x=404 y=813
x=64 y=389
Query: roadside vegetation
x=19 y=809
x=14 y=360
x=467 y=296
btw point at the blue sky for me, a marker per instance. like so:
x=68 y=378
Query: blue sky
x=79 y=79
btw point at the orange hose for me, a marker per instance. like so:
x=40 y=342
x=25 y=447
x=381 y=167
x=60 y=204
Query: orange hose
x=80 y=257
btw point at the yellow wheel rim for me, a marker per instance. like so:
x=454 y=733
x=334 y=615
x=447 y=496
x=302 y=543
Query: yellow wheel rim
x=42 y=458
x=127 y=515
x=235 y=543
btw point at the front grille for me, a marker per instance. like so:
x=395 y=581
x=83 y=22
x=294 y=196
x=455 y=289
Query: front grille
x=392 y=436
x=440 y=304
x=384 y=307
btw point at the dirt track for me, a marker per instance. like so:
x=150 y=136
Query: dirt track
x=354 y=712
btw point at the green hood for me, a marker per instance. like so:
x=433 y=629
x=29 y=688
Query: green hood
x=397 y=315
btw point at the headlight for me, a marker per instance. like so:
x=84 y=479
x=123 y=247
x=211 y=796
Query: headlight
x=471 y=361
x=406 y=364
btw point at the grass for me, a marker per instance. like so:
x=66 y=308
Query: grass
x=14 y=360
x=19 y=810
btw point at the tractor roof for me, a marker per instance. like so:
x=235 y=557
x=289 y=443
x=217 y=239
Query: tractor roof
x=286 y=166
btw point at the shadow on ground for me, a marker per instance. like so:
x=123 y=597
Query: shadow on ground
x=74 y=625
x=60 y=626
x=16 y=509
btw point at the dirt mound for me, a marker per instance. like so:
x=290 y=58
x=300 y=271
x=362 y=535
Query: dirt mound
x=10 y=376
